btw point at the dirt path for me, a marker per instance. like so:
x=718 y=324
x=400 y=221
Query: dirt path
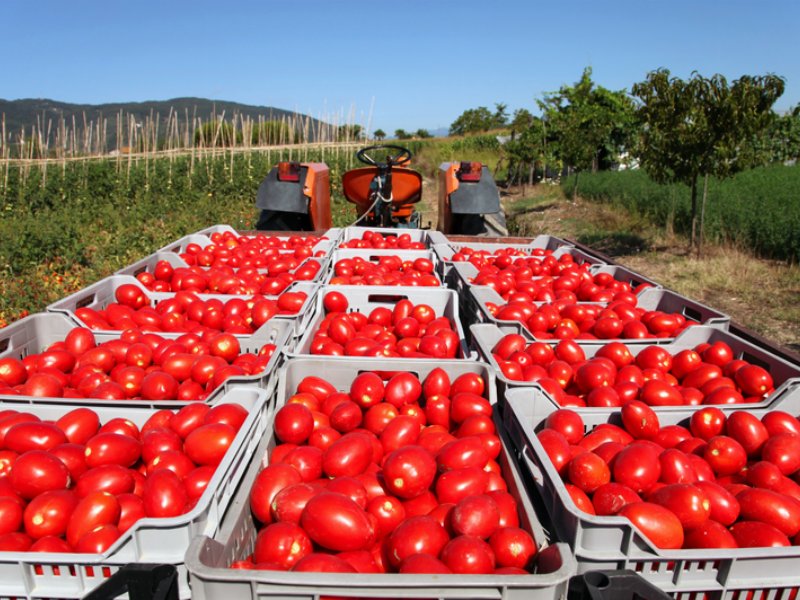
x=762 y=295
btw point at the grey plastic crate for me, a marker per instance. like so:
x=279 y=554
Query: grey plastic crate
x=148 y=263
x=374 y=256
x=615 y=543
x=207 y=558
x=625 y=274
x=445 y=252
x=62 y=575
x=366 y=298
x=36 y=332
x=99 y=295
x=785 y=374
x=650 y=299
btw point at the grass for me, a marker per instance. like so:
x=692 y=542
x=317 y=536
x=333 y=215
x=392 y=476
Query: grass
x=762 y=295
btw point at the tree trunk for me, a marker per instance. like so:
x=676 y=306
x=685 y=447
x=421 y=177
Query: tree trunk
x=575 y=187
x=530 y=174
x=702 y=217
x=694 y=212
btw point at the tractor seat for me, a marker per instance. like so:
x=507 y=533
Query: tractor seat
x=406 y=186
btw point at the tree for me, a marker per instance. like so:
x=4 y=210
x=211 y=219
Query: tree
x=422 y=134
x=475 y=120
x=702 y=127
x=522 y=120
x=590 y=124
x=401 y=134
x=379 y=134
x=348 y=132
x=781 y=140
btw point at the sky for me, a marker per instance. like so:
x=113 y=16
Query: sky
x=406 y=64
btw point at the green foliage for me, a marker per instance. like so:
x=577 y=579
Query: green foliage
x=756 y=209
x=379 y=134
x=475 y=120
x=702 y=127
x=590 y=125
x=422 y=134
x=402 y=134
x=349 y=132
x=781 y=140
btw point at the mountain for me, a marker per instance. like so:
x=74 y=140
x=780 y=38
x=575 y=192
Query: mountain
x=25 y=112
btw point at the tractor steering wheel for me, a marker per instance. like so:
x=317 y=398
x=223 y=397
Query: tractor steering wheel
x=402 y=156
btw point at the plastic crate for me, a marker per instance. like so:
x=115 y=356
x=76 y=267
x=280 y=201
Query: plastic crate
x=785 y=374
x=364 y=299
x=373 y=256
x=99 y=295
x=203 y=240
x=615 y=543
x=207 y=558
x=61 y=575
x=148 y=263
x=650 y=299
x=36 y=332
x=540 y=242
x=625 y=275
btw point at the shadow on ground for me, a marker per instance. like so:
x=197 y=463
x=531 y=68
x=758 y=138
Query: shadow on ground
x=615 y=243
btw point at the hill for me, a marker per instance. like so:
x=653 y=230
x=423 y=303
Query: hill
x=27 y=112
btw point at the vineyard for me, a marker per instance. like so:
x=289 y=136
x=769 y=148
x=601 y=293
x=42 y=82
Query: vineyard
x=756 y=210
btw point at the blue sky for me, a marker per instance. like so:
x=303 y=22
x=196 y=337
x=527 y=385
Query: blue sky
x=392 y=64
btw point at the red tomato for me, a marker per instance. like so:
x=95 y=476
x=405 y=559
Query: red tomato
x=208 y=444
x=112 y=448
x=36 y=472
x=657 y=523
x=688 y=502
x=348 y=456
x=609 y=499
x=93 y=511
x=588 y=472
x=113 y=479
x=409 y=471
x=283 y=544
x=468 y=555
x=753 y=534
x=639 y=420
x=293 y=423
x=638 y=467
x=336 y=522
x=513 y=547
x=164 y=494
x=49 y=513
x=476 y=516
x=416 y=535
x=268 y=483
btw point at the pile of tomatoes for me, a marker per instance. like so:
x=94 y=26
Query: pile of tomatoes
x=501 y=257
x=274 y=277
x=405 y=331
x=137 y=365
x=567 y=319
x=379 y=241
x=724 y=480
x=389 y=476
x=707 y=374
x=186 y=312
x=385 y=270
x=76 y=485
x=248 y=251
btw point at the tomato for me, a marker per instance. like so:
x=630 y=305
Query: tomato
x=778 y=421
x=588 y=471
x=288 y=503
x=335 y=302
x=658 y=524
x=639 y=420
x=11 y=514
x=753 y=534
x=409 y=471
x=609 y=498
x=456 y=484
x=513 y=547
x=403 y=388
x=114 y=479
x=158 y=440
x=348 y=456
x=388 y=512
x=345 y=417
x=131 y=295
x=475 y=516
x=282 y=543
x=464 y=452
x=688 y=502
x=159 y=385
x=34 y=436
x=336 y=522
x=316 y=386
x=416 y=535
x=783 y=450
x=49 y=513
x=131 y=510
x=367 y=389
x=423 y=564
x=164 y=494
x=293 y=423
x=637 y=467
x=778 y=510
x=323 y=563
x=748 y=431
x=12 y=371
x=208 y=444
x=754 y=380
x=468 y=555
x=708 y=422
x=437 y=383
x=725 y=455
x=112 y=448
x=270 y=480
x=94 y=510
x=723 y=505
x=98 y=540
x=15 y=542
x=36 y=471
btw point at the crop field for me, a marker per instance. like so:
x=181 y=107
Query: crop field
x=757 y=210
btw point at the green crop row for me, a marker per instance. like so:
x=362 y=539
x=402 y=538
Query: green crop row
x=67 y=225
x=758 y=209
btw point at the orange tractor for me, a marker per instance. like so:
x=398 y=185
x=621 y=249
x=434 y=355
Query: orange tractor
x=296 y=196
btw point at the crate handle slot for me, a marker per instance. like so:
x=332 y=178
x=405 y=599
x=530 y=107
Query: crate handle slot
x=4 y=344
x=86 y=301
x=139 y=271
x=141 y=581
x=692 y=313
x=386 y=298
x=756 y=360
